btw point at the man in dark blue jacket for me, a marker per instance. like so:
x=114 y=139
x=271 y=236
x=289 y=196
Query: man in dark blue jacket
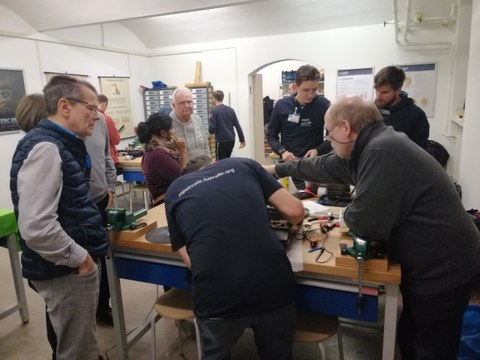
x=221 y=123
x=60 y=225
x=397 y=109
x=296 y=125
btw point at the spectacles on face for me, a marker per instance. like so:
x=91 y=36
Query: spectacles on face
x=328 y=134
x=92 y=108
x=185 y=103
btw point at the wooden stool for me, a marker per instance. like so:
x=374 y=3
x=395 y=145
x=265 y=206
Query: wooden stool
x=316 y=328
x=175 y=304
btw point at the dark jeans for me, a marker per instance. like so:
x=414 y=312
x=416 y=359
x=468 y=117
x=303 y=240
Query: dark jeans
x=273 y=334
x=430 y=326
x=224 y=149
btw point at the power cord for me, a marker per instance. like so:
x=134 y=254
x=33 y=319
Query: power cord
x=317 y=239
x=135 y=328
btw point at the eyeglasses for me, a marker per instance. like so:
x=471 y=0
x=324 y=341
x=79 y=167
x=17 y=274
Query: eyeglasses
x=328 y=134
x=92 y=108
x=185 y=103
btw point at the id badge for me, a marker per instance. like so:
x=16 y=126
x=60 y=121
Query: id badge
x=294 y=118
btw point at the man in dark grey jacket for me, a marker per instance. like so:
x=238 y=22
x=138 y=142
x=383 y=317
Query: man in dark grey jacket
x=405 y=199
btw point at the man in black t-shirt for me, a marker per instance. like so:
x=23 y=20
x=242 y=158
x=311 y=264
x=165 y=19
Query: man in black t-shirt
x=218 y=222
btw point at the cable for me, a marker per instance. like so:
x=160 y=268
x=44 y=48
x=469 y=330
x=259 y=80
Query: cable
x=135 y=328
x=324 y=251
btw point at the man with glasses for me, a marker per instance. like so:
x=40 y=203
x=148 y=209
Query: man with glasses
x=405 y=199
x=60 y=225
x=296 y=125
x=188 y=125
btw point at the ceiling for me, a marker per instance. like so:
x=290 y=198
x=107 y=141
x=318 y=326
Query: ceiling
x=164 y=23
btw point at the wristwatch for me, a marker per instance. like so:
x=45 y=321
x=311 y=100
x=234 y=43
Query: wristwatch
x=282 y=151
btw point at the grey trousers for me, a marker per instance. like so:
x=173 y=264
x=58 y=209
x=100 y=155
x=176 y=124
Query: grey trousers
x=71 y=305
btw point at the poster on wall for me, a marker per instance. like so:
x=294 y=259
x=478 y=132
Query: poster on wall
x=420 y=84
x=357 y=82
x=117 y=90
x=12 y=89
x=49 y=75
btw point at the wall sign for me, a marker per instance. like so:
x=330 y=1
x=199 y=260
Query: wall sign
x=12 y=89
x=49 y=75
x=117 y=90
x=420 y=84
x=357 y=82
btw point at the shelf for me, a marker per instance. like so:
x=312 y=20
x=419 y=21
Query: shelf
x=459 y=123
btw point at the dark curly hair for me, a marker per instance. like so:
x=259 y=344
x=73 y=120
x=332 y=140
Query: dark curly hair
x=154 y=125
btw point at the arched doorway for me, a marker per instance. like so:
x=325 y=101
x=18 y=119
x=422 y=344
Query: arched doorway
x=265 y=81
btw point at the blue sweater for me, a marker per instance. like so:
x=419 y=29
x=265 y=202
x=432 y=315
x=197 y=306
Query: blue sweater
x=222 y=122
x=297 y=137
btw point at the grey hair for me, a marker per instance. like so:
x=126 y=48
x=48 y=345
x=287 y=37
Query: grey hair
x=178 y=91
x=196 y=164
x=63 y=86
x=356 y=110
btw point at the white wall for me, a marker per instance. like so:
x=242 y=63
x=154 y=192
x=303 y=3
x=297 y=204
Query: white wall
x=272 y=76
x=369 y=46
x=218 y=66
x=228 y=65
x=23 y=58
x=35 y=57
x=470 y=161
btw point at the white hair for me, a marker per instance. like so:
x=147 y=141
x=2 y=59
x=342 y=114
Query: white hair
x=178 y=91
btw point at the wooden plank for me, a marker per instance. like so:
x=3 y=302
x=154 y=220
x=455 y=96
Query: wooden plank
x=371 y=264
x=133 y=234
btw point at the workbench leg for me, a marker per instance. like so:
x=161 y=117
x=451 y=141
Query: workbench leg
x=17 y=277
x=117 y=308
x=130 y=194
x=390 y=322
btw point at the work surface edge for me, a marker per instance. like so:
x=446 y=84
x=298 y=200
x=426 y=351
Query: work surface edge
x=142 y=246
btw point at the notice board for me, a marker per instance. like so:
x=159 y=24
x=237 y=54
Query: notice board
x=117 y=90
x=357 y=82
x=420 y=84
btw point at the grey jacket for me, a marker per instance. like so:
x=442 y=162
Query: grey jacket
x=193 y=133
x=103 y=175
x=404 y=198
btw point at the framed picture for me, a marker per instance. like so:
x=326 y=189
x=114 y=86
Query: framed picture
x=49 y=75
x=357 y=82
x=117 y=90
x=421 y=85
x=12 y=89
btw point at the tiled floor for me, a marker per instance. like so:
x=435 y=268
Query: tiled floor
x=28 y=341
